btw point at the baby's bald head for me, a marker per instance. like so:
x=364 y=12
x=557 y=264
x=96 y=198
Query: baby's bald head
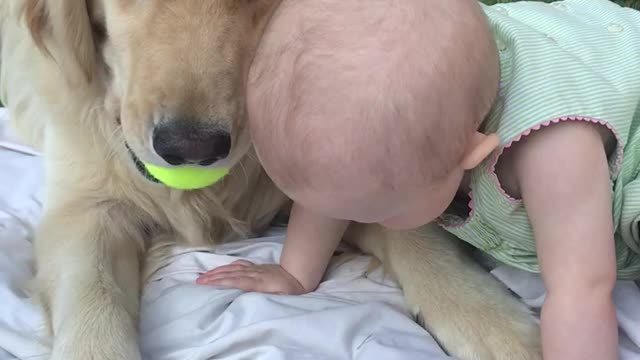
x=363 y=101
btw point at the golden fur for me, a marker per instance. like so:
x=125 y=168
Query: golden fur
x=81 y=77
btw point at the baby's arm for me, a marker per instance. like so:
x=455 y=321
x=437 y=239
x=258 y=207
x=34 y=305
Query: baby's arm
x=310 y=243
x=563 y=177
x=311 y=240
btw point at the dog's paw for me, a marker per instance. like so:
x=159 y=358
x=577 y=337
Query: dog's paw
x=511 y=341
x=95 y=341
x=507 y=332
x=80 y=351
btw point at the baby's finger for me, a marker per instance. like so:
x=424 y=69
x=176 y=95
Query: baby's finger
x=213 y=276
x=238 y=282
x=243 y=263
x=227 y=268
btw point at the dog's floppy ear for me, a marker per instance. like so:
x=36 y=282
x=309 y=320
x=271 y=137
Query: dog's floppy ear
x=63 y=30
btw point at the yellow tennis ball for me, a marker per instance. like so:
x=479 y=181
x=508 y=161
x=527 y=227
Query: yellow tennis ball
x=186 y=178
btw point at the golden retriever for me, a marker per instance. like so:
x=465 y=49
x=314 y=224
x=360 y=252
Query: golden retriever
x=98 y=85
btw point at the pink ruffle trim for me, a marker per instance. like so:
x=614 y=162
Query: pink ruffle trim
x=461 y=223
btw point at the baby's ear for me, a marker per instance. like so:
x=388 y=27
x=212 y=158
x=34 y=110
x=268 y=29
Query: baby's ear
x=481 y=146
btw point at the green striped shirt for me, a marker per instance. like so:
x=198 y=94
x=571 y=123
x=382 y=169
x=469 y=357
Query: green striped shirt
x=565 y=61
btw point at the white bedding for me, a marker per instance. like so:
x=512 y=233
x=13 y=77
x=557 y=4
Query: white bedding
x=349 y=317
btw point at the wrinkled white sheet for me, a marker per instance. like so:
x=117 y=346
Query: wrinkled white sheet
x=350 y=316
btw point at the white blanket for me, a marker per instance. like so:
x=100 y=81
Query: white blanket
x=350 y=316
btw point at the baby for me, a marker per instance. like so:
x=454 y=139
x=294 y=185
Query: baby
x=506 y=125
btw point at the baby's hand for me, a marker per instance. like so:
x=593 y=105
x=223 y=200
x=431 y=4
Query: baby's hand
x=247 y=276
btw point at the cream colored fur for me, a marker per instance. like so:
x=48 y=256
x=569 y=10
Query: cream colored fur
x=102 y=217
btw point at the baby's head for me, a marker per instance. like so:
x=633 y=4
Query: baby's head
x=370 y=113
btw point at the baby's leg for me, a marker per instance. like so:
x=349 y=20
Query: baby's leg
x=470 y=313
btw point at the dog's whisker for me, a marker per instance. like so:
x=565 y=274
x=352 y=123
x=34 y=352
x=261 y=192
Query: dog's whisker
x=114 y=141
x=246 y=174
x=252 y=156
x=115 y=145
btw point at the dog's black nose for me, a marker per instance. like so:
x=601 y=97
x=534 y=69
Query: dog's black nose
x=182 y=142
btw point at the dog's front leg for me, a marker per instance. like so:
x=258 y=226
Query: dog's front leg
x=471 y=314
x=88 y=280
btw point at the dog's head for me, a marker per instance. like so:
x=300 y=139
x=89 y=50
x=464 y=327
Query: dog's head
x=174 y=71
